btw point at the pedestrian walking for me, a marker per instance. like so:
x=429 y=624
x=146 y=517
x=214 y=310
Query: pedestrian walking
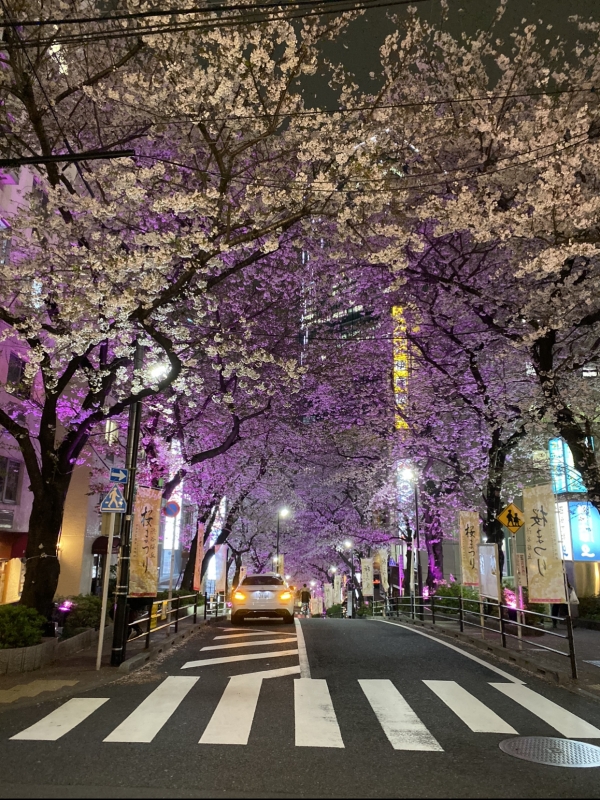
x=305 y=597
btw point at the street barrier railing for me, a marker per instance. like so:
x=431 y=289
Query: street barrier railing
x=476 y=613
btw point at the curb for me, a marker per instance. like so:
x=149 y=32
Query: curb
x=140 y=659
x=517 y=659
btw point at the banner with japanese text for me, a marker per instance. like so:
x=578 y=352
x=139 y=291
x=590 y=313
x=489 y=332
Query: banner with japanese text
x=198 y=582
x=316 y=606
x=328 y=590
x=143 y=576
x=221 y=568
x=366 y=569
x=545 y=578
x=337 y=589
x=468 y=537
x=383 y=569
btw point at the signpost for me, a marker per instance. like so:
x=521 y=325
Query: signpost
x=171 y=509
x=511 y=517
x=119 y=475
x=114 y=502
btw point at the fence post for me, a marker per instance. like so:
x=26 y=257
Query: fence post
x=433 y=609
x=502 y=631
x=572 y=657
x=412 y=606
x=147 y=644
x=195 y=608
x=461 y=624
x=205 y=604
x=177 y=601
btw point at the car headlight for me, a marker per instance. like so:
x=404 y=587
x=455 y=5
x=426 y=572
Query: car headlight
x=239 y=596
x=286 y=596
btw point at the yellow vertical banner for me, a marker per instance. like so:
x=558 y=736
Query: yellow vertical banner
x=468 y=537
x=197 y=584
x=143 y=577
x=546 y=583
x=400 y=353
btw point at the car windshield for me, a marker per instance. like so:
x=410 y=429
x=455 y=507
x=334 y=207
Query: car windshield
x=262 y=580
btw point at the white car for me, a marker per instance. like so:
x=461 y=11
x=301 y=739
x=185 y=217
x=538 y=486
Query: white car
x=266 y=595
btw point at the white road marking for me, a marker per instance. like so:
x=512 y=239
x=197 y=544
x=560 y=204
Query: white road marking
x=472 y=711
x=247 y=644
x=560 y=719
x=205 y=662
x=145 y=722
x=62 y=720
x=259 y=633
x=316 y=723
x=274 y=673
x=302 y=654
x=483 y=663
x=233 y=717
x=400 y=723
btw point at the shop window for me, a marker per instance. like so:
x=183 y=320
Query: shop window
x=10 y=472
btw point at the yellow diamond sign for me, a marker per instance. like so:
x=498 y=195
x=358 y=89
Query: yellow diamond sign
x=511 y=517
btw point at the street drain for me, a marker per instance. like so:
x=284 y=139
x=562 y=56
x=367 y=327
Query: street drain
x=552 y=751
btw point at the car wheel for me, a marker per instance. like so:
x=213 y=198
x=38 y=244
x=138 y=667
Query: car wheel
x=288 y=619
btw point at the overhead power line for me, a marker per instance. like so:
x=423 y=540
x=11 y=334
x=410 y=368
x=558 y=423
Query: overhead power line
x=93 y=155
x=173 y=12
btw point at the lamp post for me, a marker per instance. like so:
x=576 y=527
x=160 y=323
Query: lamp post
x=283 y=512
x=410 y=476
x=348 y=546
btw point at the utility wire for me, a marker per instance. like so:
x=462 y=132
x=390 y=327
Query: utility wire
x=91 y=156
x=209 y=9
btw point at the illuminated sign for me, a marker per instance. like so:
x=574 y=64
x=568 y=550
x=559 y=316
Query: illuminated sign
x=585 y=531
x=565 y=477
x=400 y=366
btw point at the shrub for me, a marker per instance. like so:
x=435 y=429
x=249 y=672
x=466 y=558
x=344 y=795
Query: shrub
x=84 y=614
x=455 y=590
x=20 y=626
x=589 y=607
x=336 y=610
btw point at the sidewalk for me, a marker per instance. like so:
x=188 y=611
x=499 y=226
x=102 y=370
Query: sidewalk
x=77 y=673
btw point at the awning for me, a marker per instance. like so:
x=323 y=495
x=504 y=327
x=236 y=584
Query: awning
x=100 y=545
x=12 y=544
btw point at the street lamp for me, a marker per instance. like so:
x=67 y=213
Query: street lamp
x=282 y=513
x=411 y=477
x=348 y=546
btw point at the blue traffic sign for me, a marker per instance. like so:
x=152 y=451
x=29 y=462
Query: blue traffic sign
x=114 y=502
x=119 y=475
x=171 y=509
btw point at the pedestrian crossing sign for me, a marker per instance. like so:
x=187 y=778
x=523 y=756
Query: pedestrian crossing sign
x=114 y=502
x=511 y=517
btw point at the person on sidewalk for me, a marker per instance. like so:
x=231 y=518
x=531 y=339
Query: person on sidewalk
x=305 y=600
x=562 y=609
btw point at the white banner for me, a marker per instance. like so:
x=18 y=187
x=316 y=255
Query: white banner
x=221 y=568
x=328 y=589
x=544 y=564
x=316 y=606
x=366 y=568
x=337 y=589
x=489 y=572
x=468 y=537
x=383 y=570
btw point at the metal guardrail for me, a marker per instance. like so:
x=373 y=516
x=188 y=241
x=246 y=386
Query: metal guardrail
x=213 y=608
x=466 y=611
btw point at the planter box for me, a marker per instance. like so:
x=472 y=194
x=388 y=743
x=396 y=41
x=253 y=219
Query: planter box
x=28 y=659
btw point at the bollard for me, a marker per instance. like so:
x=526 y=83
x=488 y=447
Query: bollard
x=177 y=601
x=205 y=604
x=433 y=609
x=572 y=657
x=147 y=644
x=195 y=608
x=460 y=614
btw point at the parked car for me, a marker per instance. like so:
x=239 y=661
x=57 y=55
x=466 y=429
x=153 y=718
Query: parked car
x=266 y=595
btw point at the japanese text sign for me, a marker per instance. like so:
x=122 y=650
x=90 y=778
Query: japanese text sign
x=143 y=581
x=468 y=523
x=544 y=564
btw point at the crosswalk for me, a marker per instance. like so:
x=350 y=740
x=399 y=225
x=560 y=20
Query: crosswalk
x=315 y=719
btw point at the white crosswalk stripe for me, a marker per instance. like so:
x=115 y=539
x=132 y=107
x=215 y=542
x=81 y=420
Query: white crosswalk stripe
x=208 y=662
x=560 y=719
x=316 y=722
x=62 y=720
x=245 y=635
x=150 y=716
x=472 y=711
x=401 y=725
x=247 y=644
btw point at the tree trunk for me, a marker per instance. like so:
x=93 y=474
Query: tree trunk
x=43 y=568
x=409 y=568
x=492 y=528
x=433 y=535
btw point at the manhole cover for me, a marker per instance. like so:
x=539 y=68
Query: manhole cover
x=552 y=751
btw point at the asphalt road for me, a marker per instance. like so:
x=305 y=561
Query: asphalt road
x=348 y=708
